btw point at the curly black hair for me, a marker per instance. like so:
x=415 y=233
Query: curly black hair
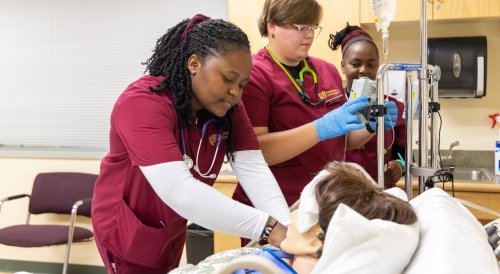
x=207 y=38
x=336 y=40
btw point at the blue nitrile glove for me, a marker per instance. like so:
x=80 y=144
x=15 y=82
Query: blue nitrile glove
x=390 y=116
x=341 y=120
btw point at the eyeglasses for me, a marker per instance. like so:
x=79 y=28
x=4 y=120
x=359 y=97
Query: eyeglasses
x=306 y=29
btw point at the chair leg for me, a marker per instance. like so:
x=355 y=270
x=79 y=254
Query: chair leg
x=66 y=259
x=70 y=235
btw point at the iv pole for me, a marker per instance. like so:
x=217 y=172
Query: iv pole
x=423 y=119
x=423 y=169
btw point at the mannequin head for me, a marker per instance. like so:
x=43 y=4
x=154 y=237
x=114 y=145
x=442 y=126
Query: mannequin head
x=345 y=183
x=348 y=185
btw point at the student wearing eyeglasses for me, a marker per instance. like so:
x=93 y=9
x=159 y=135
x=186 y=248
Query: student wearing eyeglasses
x=296 y=102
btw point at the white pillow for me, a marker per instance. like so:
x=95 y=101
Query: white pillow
x=451 y=238
x=355 y=244
x=397 y=192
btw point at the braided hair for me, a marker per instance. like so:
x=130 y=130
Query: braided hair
x=210 y=37
x=347 y=36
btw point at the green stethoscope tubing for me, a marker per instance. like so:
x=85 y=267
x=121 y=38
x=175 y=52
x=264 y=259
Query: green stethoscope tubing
x=305 y=69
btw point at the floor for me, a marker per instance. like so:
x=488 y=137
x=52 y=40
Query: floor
x=81 y=254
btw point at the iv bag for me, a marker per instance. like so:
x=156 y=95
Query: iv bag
x=383 y=12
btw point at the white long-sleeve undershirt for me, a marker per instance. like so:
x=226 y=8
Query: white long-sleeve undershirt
x=203 y=205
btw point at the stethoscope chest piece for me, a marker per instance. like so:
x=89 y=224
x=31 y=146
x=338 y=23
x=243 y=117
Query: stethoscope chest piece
x=189 y=162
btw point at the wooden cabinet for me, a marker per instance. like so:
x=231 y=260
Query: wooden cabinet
x=409 y=10
x=222 y=242
x=406 y=10
x=483 y=194
x=245 y=14
x=465 y=9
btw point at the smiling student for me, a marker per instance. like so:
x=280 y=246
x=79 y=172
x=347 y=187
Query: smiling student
x=360 y=58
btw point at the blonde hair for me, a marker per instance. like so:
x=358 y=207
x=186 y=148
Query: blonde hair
x=282 y=12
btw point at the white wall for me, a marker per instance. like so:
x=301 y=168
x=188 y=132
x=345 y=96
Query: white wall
x=64 y=63
x=119 y=32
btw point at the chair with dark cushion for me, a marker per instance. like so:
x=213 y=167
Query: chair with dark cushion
x=55 y=192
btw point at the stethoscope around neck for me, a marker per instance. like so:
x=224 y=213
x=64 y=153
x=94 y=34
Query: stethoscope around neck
x=189 y=162
x=306 y=69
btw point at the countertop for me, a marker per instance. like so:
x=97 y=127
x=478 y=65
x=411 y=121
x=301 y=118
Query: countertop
x=482 y=193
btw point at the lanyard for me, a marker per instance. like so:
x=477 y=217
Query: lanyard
x=305 y=69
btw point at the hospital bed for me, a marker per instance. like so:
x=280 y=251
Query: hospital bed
x=450 y=240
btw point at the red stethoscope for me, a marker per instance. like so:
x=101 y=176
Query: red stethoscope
x=189 y=162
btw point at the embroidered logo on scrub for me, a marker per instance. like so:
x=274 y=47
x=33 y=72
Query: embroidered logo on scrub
x=332 y=95
x=213 y=137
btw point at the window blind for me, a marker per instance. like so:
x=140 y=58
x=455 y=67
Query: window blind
x=63 y=64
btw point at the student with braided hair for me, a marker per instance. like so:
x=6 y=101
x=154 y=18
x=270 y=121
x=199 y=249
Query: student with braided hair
x=170 y=130
x=360 y=58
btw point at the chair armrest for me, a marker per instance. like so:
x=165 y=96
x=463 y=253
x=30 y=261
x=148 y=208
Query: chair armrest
x=14 y=197
x=79 y=203
x=86 y=200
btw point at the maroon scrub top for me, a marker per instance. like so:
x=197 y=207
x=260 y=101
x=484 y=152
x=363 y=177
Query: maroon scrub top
x=272 y=101
x=366 y=155
x=133 y=227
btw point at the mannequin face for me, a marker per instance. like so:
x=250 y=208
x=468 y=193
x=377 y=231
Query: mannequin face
x=301 y=243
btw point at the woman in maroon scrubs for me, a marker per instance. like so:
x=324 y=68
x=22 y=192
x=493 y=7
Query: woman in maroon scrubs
x=296 y=102
x=360 y=58
x=170 y=131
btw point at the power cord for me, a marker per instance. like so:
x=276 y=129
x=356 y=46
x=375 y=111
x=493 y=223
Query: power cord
x=439 y=139
x=441 y=176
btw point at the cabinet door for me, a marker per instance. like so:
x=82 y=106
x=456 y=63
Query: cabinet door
x=406 y=10
x=245 y=14
x=336 y=13
x=458 y=9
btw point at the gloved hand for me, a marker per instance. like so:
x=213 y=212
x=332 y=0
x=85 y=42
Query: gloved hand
x=341 y=120
x=390 y=117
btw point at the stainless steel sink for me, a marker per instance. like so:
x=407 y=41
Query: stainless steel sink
x=472 y=174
